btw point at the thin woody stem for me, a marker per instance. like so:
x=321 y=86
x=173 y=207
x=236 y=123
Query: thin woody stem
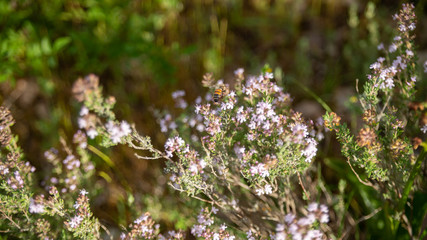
x=302 y=186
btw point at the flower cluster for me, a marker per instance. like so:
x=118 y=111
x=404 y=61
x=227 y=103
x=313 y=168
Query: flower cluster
x=180 y=102
x=305 y=227
x=205 y=228
x=144 y=227
x=386 y=73
x=118 y=131
x=173 y=144
x=167 y=123
x=83 y=224
x=251 y=131
x=91 y=123
x=43 y=229
x=26 y=211
x=95 y=109
x=13 y=171
x=36 y=206
x=71 y=169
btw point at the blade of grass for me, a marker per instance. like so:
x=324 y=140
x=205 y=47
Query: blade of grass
x=410 y=182
x=414 y=173
x=102 y=156
x=317 y=98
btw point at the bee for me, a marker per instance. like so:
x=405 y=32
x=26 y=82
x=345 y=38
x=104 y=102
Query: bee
x=221 y=91
x=218 y=94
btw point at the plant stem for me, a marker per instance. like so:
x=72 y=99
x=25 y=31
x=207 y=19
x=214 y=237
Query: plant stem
x=411 y=179
x=409 y=183
x=318 y=99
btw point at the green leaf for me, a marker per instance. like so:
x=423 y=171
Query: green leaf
x=419 y=212
x=45 y=46
x=60 y=43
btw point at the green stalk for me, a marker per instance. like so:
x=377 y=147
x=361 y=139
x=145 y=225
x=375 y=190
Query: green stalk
x=411 y=179
x=318 y=99
x=408 y=187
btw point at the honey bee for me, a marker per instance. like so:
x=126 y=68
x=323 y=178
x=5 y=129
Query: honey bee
x=217 y=94
x=221 y=91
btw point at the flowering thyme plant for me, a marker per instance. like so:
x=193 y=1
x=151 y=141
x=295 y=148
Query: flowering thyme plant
x=30 y=215
x=383 y=146
x=252 y=132
x=248 y=144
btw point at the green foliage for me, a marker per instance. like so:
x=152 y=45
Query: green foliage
x=39 y=36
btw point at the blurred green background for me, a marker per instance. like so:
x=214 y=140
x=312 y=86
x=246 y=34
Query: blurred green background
x=144 y=50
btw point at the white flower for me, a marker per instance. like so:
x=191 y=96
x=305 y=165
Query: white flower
x=83 y=192
x=198 y=100
x=177 y=94
x=197 y=110
x=125 y=127
x=75 y=221
x=216 y=236
x=193 y=168
x=252 y=125
x=118 y=131
x=300 y=130
x=197 y=230
x=239 y=71
x=392 y=48
x=324 y=218
x=84 y=111
x=375 y=66
x=214 y=210
x=260 y=191
x=424 y=129
x=305 y=221
x=269 y=75
x=310 y=151
x=268 y=189
x=289 y=218
x=324 y=208
x=81 y=122
x=312 y=207
x=92 y=133
x=389 y=83
x=200 y=127
x=202 y=163
x=313 y=234
x=173 y=125
x=35 y=207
